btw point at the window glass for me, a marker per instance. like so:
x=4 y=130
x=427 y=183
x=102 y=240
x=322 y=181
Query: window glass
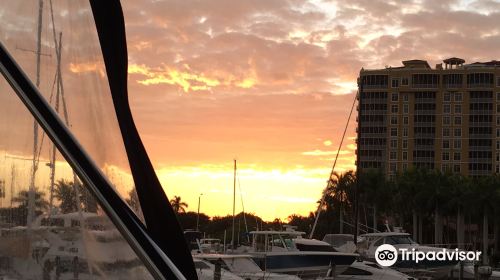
x=50 y=222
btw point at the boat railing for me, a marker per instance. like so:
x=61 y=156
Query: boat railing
x=463 y=246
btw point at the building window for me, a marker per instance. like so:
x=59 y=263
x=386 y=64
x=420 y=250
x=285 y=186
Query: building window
x=446 y=108
x=457 y=144
x=498 y=157
x=405 y=144
x=394 y=97
x=458 y=120
x=447 y=97
x=498 y=120
x=458 y=109
x=405 y=109
x=394 y=132
x=394 y=120
x=498 y=96
x=498 y=145
x=446 y=120
x=456 y=168
x=393 y=155
x=394 y=109
x=392 y=167
x=458 y=97
x=445 y=167
x=405 y=97
x=405 y=155
x=394 y=143
x=395 y=83
x=446 y=144
x=456 y=156
x=458 y=132
x=498 y=81
x=404 y=81
x=446 y=156
x=446 y=132
x=498 y=108
x=480 y=80
x=405 y=166
x=405 y=120
x=498 y=132
x=497 y=168
x=405 y=132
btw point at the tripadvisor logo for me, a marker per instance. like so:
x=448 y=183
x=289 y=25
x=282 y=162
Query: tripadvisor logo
x=387 y=255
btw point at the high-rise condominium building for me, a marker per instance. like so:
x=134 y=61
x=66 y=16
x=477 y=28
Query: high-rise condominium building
x=446 y=118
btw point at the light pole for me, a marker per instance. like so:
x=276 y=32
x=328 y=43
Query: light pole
x=198 y=216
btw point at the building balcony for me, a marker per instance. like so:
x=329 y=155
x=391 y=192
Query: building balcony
x=453 y=86
x=480 y=85
x=423 y=159
x=424 y=135
x=375 y=86
x=424 y=86
x=480 y=136
x=424 y=112
x=424 y=147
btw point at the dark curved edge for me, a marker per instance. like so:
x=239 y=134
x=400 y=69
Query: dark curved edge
x=117 y=210
x=160 y=218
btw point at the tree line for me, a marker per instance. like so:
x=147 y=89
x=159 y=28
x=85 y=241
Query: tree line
x=66 y=194
x=436 y=207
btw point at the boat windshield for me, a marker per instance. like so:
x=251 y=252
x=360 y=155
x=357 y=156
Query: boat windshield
x=52 y=227
x=395 y=240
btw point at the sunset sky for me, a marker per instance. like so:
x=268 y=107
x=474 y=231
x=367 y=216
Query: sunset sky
x=270 y=83
x=267 y=82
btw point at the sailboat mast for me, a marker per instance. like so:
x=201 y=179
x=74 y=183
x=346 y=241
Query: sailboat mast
x=234 y=204
x=31 y=192
x=53 y=152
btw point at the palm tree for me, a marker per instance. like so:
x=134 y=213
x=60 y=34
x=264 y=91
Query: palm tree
x=66 y=194
x=178 y=205
x=340 y=192
x=88 y=201
x=23 y=197
x=375 y=191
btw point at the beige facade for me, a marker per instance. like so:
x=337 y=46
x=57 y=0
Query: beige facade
x=446 y=118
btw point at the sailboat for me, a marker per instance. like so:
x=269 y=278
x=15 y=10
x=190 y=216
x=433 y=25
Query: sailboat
x=155 y=253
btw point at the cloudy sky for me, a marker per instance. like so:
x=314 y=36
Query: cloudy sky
x=270 y=83
x=267 y=82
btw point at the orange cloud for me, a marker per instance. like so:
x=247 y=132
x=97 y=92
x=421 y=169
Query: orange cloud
x=87 y=67
x=187 y=79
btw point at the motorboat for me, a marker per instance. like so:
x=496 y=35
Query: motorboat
x=206 y=271
x=369 y=242
x=361 y=270
x=243 y=266
x=468 y=272
x=341 y=242
x=288 y=252
x=71 y=245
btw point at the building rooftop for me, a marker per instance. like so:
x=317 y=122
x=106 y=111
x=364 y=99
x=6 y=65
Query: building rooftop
x=450 y=63
x=416 y=63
